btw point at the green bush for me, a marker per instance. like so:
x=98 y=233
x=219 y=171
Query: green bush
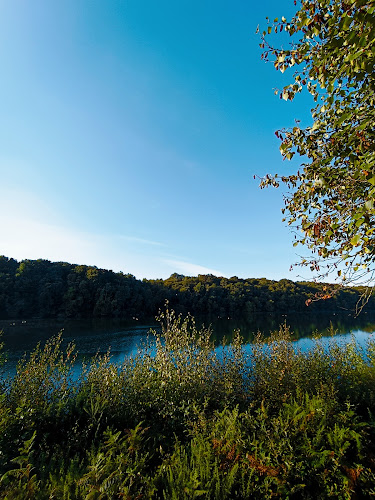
x=184 y=420
x=311 y=445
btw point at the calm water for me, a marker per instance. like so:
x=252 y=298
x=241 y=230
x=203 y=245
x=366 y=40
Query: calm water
x=124 y=338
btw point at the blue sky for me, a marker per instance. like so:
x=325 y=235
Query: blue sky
x=130 y=132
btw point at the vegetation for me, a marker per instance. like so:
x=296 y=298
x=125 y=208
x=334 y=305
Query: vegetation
x=187 y=421
x=331 y=205
x=43 y=289
x=184 y=420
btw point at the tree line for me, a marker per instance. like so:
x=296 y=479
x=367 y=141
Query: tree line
x=44 y=289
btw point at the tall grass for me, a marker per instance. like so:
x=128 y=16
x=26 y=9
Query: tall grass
x=183 y=420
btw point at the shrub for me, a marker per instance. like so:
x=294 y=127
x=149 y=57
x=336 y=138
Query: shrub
x=217 y=423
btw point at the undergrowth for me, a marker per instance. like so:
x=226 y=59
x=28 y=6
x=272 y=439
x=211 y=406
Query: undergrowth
x=183 y=420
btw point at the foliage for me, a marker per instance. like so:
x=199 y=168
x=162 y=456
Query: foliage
x=170 y=377
x=332 y=48
x=43 y=289
x=185 y=420
x=118 y=468
x=304 y=448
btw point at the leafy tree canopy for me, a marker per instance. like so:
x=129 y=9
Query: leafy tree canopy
x=331 y=199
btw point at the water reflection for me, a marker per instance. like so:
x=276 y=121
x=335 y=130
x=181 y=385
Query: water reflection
x=124 y=338
x=90 y=337
x=302 y=325
x=361 y=339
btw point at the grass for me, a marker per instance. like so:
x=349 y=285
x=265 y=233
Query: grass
x=185 y=420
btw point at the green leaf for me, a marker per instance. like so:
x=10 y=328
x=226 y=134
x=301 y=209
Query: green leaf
x=355 y=240
x=338 y=148
x=346 y=22
x=369 y=205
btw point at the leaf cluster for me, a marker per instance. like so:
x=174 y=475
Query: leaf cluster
x=331 y=200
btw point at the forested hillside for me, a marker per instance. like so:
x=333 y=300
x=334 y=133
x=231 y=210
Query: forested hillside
x=40 y=288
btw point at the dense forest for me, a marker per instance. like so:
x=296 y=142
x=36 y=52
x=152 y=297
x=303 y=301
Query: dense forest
x=44 y=289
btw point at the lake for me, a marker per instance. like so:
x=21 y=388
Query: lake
x=123 y=338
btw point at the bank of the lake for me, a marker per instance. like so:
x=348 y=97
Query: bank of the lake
x=183 y=419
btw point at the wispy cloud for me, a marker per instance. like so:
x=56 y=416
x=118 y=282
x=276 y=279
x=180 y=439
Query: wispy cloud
x=27 y=238
x=23 y=238
x=190 y=269
x=30 y=229
x=142 y=241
